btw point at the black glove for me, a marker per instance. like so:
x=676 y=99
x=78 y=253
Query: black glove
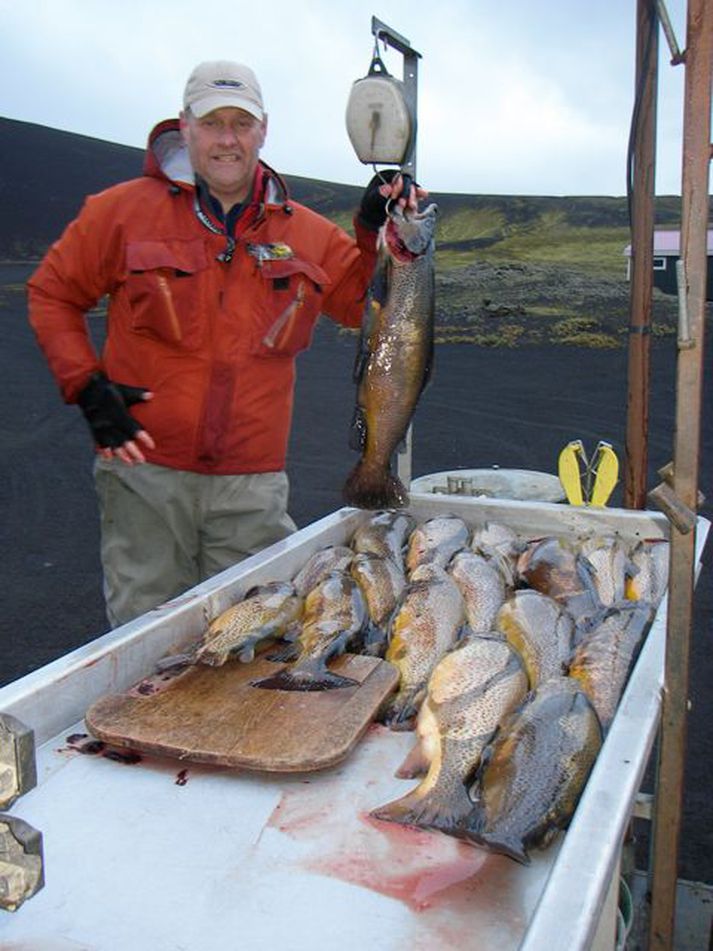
x=104 y=405
x=372 y=211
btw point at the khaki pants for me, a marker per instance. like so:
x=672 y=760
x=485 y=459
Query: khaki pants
x=164 y=530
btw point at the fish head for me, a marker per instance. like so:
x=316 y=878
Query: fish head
x=409 y=234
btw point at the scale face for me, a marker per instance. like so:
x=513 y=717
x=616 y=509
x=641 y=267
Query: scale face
x=379 y=123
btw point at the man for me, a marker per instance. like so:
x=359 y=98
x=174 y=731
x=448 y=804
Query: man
x=215 y=281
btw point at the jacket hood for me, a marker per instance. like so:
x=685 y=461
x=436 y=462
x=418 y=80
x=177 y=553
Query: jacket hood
x=167 y=158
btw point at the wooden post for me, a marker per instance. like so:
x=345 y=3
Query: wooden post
x=694 y=225
x=642 y=210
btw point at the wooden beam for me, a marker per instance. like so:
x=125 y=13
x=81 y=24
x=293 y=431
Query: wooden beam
x=694 y=225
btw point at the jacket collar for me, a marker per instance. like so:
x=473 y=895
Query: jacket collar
x=167 y=159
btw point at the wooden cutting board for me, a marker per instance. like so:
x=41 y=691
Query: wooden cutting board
x=213 y=715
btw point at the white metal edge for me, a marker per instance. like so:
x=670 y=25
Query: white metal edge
x=568 y=911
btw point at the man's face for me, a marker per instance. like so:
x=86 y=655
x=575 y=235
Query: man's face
x=224 y=147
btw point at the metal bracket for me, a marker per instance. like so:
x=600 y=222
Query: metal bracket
x=18 y=772
x=665 y=499
x=21 y=862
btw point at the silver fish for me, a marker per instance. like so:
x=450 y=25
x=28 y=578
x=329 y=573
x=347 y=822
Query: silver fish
x=384 y=533
x=334 y=613
x=482 y=586
x=426 y=624
x=603 y=659
x=540 y=630
x=436 y=541
x=319 y=565
x=470 y=690
x=535 y=771
x=266 y=613
x=382 y=583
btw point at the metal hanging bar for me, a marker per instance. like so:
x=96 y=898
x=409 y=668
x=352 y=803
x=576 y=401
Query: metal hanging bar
x=676 y=55
x=695 y=204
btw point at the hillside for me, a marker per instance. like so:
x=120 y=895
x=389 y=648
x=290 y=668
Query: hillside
x=510 y=269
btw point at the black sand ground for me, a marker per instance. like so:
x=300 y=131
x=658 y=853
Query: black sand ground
x=514 y=408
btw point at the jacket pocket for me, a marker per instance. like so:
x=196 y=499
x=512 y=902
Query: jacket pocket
x=290 y=301
x=164 y=288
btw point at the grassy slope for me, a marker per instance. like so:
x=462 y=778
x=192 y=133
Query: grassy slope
x=510 y=268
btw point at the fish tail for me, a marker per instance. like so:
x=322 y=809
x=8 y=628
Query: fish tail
x=509 y=845
x=374 y=487
x=304 y=679
x=443 y=810
x=472 y=828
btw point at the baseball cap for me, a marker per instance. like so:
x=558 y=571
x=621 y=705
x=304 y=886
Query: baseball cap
x=219 y=83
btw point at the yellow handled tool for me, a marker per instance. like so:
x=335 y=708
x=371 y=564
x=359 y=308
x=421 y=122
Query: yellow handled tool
x=585 y=482
x=573 y=466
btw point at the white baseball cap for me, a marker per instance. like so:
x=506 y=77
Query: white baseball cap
x=213 y=85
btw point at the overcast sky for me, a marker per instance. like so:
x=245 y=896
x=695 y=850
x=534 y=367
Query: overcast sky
x=515 y=96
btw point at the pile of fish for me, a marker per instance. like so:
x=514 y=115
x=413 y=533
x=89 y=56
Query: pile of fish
x=512 y=654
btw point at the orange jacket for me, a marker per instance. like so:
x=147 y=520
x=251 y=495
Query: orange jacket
x=215 y=341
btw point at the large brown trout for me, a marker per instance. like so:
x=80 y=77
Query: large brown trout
x=395 y=356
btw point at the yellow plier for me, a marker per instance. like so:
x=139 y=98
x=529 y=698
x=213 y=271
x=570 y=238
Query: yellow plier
x=585 y=482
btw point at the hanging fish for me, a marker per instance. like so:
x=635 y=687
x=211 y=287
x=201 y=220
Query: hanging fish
x=395 y=357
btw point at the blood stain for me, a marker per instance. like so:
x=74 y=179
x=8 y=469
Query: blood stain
x=182 y=778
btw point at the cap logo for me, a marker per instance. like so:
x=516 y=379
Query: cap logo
x=228 y=82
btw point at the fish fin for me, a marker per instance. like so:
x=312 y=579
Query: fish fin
x=371 y=487
x=292 y=631
x=247 y=654
x=304 y=680
x=416 y=764
x=463 y=633
x=174 y=662
x=373 y=640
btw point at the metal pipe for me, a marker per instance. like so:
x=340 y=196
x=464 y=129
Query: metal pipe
x=676 y=55
x=641 y=185
x=689 y=373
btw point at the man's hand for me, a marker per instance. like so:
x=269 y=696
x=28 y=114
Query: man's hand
x=105 y=407
x=385 y=187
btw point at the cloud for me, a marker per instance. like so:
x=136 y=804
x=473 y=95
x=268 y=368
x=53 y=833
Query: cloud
x=515 y=97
